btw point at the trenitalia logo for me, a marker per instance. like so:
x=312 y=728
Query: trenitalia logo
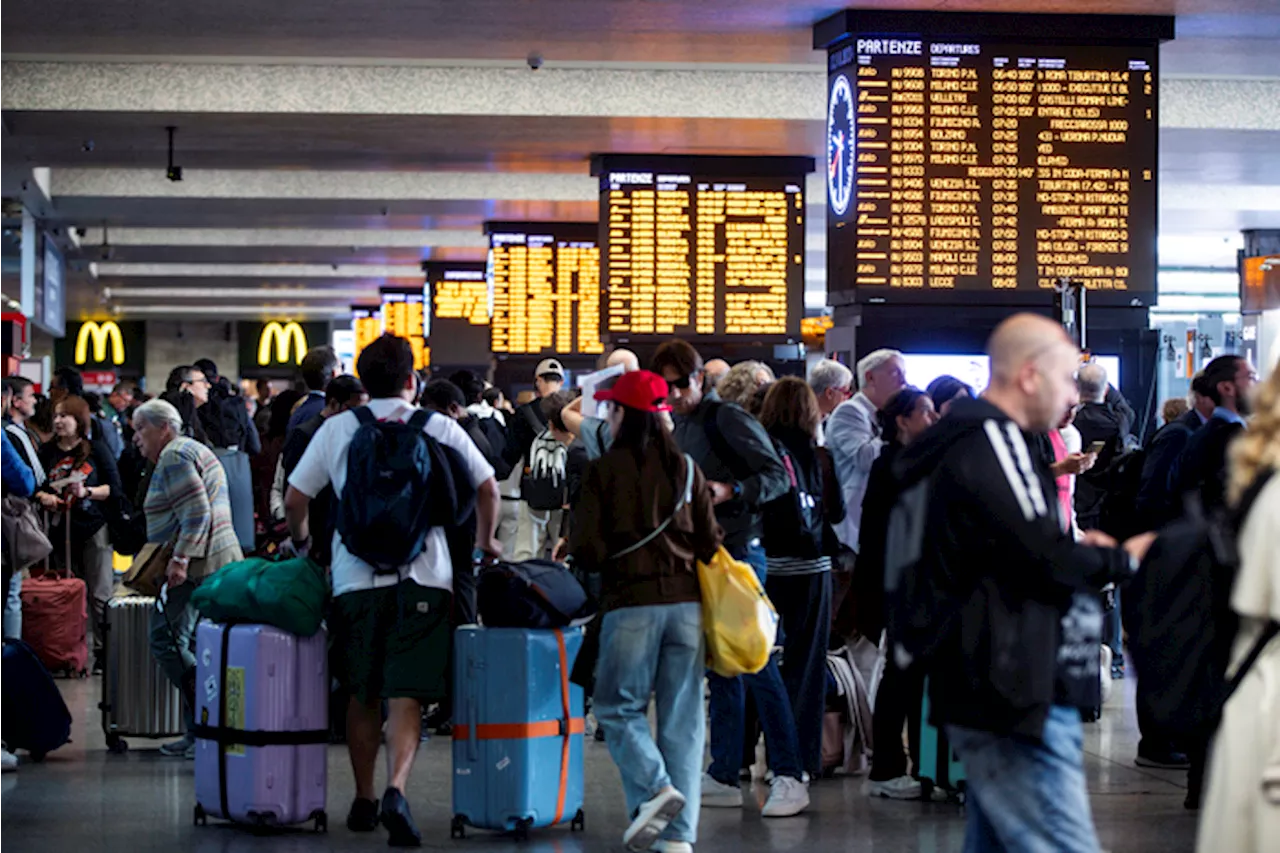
x=102 y=334
x=282 y=336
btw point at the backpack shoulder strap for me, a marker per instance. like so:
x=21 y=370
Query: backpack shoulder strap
x=364 y=415
x=685 y=497
x=419 y=419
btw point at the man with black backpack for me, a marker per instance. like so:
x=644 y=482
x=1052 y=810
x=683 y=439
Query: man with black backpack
x=401 y=476
x=542 y=483
x=987 y=589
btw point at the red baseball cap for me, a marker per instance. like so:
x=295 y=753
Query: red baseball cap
x=639 y=389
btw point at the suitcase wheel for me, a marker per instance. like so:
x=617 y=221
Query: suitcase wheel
x=578 y=823
x=36 y=756
x=523 y=825
x=117 y=745
x=321 y=821
x=458 y=827
x=200 y=818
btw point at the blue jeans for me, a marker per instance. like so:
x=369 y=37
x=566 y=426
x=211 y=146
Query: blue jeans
x=656 y=650
x=1027 y=796
x=13 y=608
x=173 y=634
x=728 y=711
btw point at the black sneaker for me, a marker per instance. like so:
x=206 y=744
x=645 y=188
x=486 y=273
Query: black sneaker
x=1163 y=759
x=401 y=830
x=363 y=816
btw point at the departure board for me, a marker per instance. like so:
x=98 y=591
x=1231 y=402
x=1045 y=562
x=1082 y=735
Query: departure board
x=404 y=315
x=458 y=298
x=366 y=323
x=961 y=161
x=707 y=246
x=546 y=288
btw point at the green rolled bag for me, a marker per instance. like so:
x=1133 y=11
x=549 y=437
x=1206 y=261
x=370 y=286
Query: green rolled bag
x=287 y=593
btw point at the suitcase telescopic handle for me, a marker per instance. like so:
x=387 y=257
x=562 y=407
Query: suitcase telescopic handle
x=473 y=717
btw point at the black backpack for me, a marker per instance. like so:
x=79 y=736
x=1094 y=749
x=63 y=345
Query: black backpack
x=1118 y=514
x=400 y=483
x=1180 y=621
x=545 y=482
x=793 y=523
x=532 y=594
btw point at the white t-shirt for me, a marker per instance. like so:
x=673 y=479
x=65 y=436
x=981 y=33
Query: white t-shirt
x=325 y=463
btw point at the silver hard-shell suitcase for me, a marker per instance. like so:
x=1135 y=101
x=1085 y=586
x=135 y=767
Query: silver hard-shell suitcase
x=137 y=698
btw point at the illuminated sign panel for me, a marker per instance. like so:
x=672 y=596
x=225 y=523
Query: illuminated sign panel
x=284 y=338
x=275 y=348
x=707 y=246
x=102 y=335
x=403 y=315
x=546 y=288
x=118 y=346
x=961 y=157
x=459 y=298
x=366 y=325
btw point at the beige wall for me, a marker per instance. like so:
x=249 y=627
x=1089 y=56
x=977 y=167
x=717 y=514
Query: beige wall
x=174 y=342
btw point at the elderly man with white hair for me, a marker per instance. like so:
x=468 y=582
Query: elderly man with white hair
x=188 y=511
x=853 y=437
x=832 y=383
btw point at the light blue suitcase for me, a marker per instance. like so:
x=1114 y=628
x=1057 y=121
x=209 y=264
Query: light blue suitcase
x=517 y=730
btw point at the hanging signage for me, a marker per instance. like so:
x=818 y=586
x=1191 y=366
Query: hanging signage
x=103 y=345
x=283 y=338
x=276 y=348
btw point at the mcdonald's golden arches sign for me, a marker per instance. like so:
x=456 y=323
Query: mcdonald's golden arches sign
x=103 y=345
x=276 y=347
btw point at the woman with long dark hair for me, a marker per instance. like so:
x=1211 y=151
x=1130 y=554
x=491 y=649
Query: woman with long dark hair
x=82 y=477
x=645 y=517
x=799 y=542
x=901 y=693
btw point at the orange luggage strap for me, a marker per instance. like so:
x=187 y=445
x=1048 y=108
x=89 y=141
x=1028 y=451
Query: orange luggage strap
x=564 y=728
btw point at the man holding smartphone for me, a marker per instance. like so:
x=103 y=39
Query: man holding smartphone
x=1102 y=434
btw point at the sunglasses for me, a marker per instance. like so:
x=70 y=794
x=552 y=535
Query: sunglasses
x=684 y=382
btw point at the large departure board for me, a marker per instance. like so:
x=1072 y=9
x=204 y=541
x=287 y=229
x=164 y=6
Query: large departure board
x=458 y=299
x=962 y=159
x=366 y=324
x=707 y=246
x=546 y=288
x=404 y=315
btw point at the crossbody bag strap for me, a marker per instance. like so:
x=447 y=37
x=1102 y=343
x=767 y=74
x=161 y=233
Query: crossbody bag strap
x=685 y=497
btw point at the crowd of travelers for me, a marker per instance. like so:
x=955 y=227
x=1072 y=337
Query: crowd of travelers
x=985 y=559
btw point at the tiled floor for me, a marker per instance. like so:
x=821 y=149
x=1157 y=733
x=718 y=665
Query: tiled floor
x=84 y=800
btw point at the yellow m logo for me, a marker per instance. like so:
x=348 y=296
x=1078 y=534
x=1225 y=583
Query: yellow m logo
x=102 y=334
x=282 y=336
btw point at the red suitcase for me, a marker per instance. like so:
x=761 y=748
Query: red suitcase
x=55 y=619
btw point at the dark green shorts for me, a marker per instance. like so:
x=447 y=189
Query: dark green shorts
x=392 y=642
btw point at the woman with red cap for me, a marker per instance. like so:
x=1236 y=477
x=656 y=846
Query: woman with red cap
x=645 y=517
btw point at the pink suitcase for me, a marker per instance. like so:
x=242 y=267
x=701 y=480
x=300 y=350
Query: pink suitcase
x=262 y=725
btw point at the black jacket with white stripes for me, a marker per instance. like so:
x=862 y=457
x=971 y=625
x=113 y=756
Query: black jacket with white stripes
x=1011 y=639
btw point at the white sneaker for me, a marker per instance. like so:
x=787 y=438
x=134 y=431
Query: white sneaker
x=787 y=797
x=664 y=846
x=716 y=795
x=8 y=761
x=652 y=818
x=902 y=788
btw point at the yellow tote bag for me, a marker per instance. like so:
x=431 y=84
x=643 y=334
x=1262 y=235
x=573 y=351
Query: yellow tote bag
x=737 y=617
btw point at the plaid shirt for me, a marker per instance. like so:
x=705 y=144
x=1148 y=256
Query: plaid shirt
x=188 y=496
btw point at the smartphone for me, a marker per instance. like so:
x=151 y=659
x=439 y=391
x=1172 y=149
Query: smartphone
x=1096 y=448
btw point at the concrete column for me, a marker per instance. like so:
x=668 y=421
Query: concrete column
x=171 y=343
